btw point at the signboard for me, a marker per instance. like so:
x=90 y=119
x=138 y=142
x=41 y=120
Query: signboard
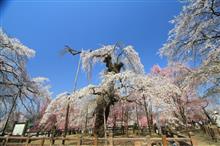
x=19 y=129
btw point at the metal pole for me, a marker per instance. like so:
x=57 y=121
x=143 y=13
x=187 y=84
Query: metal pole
x=68 y=105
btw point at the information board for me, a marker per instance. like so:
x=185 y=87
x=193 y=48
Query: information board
x=19 y=129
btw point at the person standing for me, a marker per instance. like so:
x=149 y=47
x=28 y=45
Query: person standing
x=216 y=118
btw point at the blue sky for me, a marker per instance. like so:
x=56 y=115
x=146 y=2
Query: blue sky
x=46 y=26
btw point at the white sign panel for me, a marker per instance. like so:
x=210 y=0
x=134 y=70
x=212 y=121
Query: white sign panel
x=18 y=129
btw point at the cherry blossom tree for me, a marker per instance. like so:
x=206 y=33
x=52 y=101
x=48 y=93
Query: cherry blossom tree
x=122 y=80
x=18 y=90
x=194 y=40
x=188 y=104
x=196 y=32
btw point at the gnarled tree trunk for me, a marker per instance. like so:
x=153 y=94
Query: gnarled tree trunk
x=102 y=107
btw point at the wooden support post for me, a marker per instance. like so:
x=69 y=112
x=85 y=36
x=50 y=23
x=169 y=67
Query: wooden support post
x=193 y=141
x=27 y=140
x=6 y=140
x=67 y=119
x=137 y=143
x=79 y=141
x=42 y=142
x=111 y=140
x=95 y=141
x=148 y=141
x=104 y=123
x=177 y=142
x=164 y=140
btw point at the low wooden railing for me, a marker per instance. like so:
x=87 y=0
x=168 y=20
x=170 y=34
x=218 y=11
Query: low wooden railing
x=77 y=141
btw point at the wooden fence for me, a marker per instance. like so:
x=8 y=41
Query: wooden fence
x=212 y=131
x=110 y=141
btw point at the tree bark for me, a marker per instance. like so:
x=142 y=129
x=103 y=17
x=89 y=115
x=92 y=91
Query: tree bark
x=99 y=120
x=147 y=115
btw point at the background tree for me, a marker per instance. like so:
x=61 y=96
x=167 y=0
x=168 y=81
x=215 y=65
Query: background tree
x=194 y=40
x=18 y=92
x=188 y=104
